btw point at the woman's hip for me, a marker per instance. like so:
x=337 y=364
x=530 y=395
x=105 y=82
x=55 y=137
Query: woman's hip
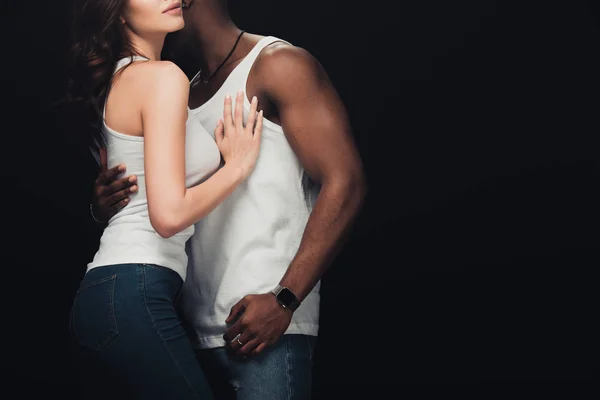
x=123 y=299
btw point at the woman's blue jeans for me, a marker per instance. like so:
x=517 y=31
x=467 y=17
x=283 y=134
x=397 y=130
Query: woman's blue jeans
x=129 y=337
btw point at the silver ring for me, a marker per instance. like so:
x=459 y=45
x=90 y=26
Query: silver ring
x=238 y=340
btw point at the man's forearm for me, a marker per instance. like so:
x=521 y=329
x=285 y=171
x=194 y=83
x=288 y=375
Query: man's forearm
x=326 y=231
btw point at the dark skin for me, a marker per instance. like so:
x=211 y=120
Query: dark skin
x=295 y=92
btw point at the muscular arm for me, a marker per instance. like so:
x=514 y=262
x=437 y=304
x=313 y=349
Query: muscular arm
x=316 y=125
x=173 y=207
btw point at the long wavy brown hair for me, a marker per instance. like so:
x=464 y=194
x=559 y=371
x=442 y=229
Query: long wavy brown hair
x=97 y=41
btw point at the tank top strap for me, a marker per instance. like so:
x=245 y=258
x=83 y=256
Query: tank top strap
x=246 y=65
x=126 y=61
x=264 y=42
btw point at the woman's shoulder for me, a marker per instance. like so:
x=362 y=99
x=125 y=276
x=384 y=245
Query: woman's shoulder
x=153 y=75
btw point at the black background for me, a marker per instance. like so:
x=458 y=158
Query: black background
x=472 y=259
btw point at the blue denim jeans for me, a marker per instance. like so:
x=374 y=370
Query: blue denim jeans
x=281 y=372
x=129 y=339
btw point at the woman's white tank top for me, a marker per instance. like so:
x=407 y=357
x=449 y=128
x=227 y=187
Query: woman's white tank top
x=129 y=236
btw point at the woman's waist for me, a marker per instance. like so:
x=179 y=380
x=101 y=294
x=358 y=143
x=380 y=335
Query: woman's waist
x=142 y=248
x=133 y=232
x=129 y=272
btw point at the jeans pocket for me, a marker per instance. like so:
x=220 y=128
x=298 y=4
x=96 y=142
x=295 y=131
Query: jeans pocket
x=93 y=320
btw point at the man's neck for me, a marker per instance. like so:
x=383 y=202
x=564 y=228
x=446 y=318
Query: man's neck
x=215 y=37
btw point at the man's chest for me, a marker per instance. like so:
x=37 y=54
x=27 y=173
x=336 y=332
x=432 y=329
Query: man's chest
x=200 y=94
x=210 y=97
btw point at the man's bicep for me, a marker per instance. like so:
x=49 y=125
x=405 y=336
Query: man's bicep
x=312 y=115
x=317 y=127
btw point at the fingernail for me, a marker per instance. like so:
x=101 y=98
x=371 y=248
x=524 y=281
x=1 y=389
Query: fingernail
x=126 y=200
x=240 y=93
x=254 y=99
x=121 y=167
x=132 y=179
x=133 y=188
x=227 y=96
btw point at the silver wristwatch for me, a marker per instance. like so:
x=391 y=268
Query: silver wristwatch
x=286 y=297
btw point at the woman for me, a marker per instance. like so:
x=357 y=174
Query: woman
x=123 y=317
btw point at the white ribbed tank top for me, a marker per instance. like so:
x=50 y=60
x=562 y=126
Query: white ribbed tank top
x=246 y=244
x=129 y=236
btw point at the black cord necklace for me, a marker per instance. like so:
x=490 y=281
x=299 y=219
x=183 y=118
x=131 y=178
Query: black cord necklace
x=199 y=74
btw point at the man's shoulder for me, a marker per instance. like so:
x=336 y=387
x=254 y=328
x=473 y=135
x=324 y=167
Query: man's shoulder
x=281 y=54
x=279 y=62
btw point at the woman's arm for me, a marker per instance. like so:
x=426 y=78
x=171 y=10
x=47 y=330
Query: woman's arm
x=173 y=207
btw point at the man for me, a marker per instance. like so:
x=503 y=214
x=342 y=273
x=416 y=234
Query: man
x=251 y=298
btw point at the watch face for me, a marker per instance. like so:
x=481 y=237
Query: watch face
x=286 y=296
